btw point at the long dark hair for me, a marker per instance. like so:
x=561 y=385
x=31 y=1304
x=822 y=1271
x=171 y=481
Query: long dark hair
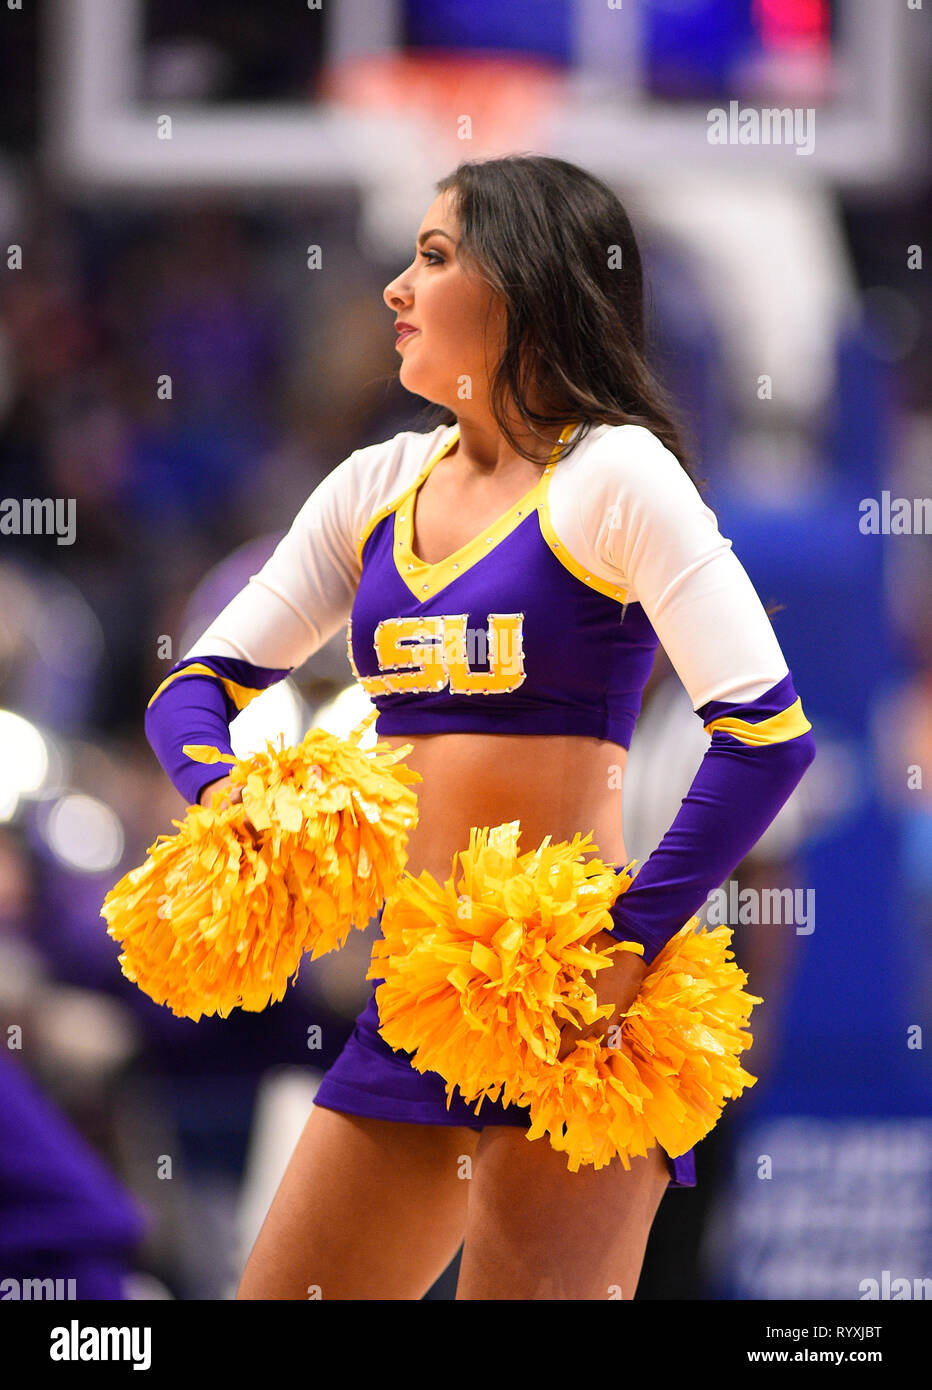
x=557 y=244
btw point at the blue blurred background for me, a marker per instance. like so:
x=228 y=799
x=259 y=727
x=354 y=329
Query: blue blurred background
x=790 y=317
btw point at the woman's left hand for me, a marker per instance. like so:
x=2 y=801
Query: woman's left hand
x=618 y=984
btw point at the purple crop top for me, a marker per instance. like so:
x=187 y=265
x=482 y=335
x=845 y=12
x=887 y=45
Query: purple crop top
x=565 y=658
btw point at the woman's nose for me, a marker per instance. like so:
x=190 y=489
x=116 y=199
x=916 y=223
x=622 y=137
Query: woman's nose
x=396 y=293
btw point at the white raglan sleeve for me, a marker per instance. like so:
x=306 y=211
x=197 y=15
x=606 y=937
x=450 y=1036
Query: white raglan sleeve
x=289 y=608
x=653 y=534
x=650 y=530
x=303 y=593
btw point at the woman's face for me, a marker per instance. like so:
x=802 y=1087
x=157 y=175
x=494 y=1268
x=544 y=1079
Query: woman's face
x=459 y=320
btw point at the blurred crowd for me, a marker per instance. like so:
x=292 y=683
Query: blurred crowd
x=270 y=388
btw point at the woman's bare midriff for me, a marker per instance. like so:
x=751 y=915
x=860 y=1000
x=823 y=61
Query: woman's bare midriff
x=557 y=785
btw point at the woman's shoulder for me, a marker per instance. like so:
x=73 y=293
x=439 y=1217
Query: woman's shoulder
x=624 y=451
x=370 y=480
x=372 y=476
x=391 y=465
x=408 y=447
x=614 y=462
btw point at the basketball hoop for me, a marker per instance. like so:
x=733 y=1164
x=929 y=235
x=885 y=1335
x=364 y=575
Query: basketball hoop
x=460 y=107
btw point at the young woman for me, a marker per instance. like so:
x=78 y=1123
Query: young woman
x=507 y=577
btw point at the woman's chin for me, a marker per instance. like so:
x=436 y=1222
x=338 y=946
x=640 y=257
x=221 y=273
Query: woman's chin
x=418 y=385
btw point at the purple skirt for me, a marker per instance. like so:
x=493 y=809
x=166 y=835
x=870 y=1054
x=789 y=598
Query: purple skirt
x=368 y=1078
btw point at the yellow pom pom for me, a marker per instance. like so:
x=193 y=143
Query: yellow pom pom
x=478 y=975
x=215 y=919
x=481 y=973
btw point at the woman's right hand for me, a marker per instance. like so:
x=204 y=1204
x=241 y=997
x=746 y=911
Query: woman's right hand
x=220 y=788
x=226 y=795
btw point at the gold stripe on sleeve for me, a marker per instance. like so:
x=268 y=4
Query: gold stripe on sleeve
x=789 y=723
x=239 y=694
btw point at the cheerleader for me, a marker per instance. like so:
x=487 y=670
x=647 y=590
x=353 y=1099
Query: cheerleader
x=505 y=579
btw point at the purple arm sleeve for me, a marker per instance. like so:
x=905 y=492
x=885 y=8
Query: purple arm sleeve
x=742 y=782
x=191 y=706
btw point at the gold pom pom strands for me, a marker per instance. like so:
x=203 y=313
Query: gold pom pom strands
x=671 y=1068
x=479 y=975
x=216 y=918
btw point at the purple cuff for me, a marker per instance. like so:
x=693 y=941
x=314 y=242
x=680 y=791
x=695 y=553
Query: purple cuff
x=736 y=793
x=197 y=708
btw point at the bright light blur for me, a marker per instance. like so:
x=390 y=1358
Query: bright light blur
x=84 y=833
x=340 y=715
x=24 y=758
x=278 y=711
x=8 y=803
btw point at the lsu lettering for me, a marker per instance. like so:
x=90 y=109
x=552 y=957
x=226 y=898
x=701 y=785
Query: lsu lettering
x=429 y=653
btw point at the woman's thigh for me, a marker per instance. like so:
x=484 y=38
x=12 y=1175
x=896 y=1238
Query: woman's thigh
x=369 y=1209
x=534 y=1230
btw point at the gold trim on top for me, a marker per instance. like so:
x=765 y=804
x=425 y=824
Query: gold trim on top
x=373 y=521
x=425 y=580
x=568 y=561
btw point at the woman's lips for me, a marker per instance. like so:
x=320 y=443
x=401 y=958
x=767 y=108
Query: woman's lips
x=407 y=333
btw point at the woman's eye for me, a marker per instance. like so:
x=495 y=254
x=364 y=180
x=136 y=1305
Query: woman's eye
x=438 y=261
